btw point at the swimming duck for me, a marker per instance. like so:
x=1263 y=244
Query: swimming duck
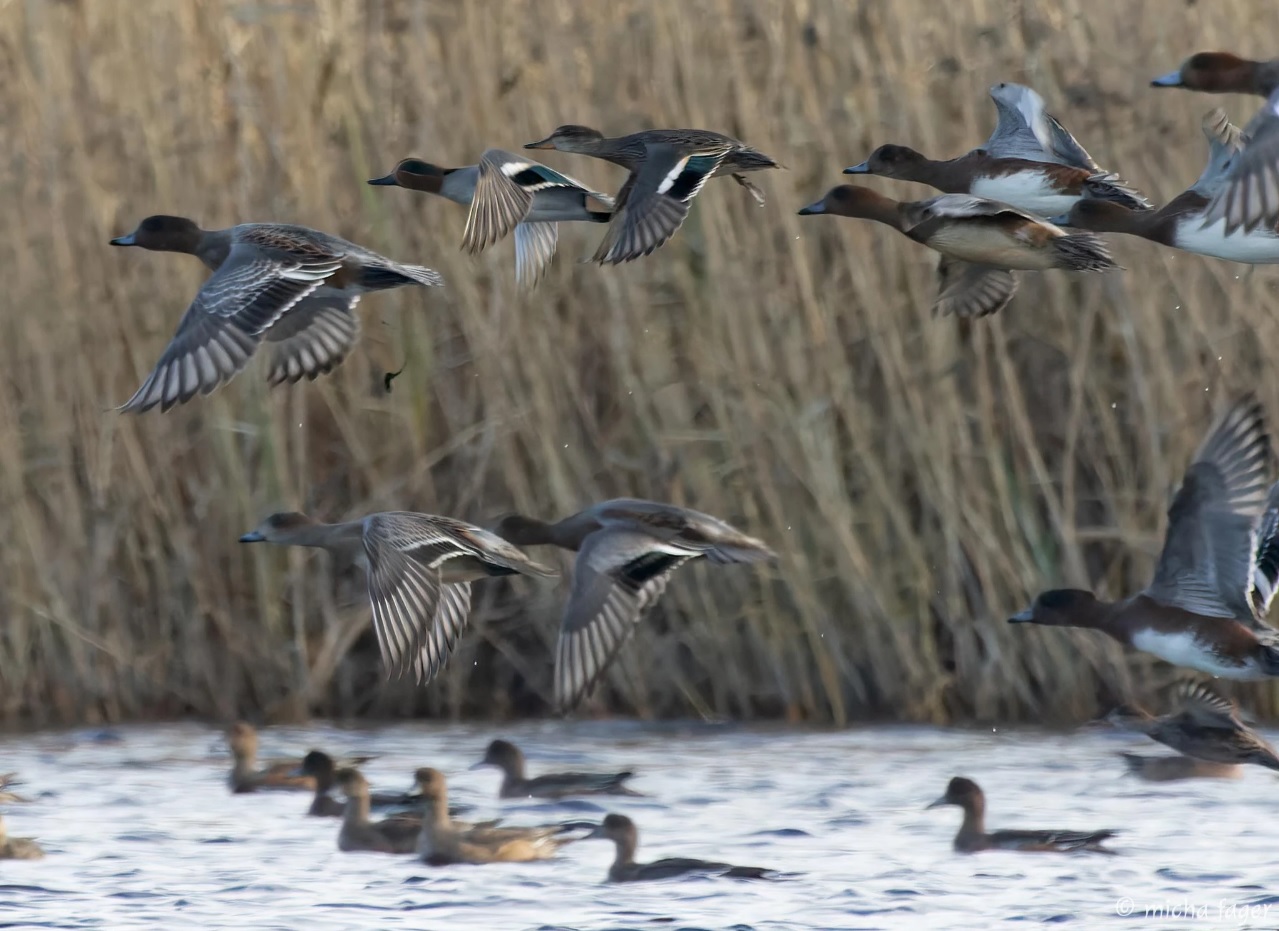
x=979 y=240
x=443 y=841
x=668 y=167
x=1205 y=726
x=508 y=758
x=18 y=848
x=292 y=286
x=1176 y=768
x=324 y=769
x=1214 y=581
x=245 y=775
x=420 y=568
x=622 y=832
x=1042 y=188
x=358 y=833
x=1251 y=198
x=505 y=193
x=1180 y=222
x=972 y=836
x=626 y=549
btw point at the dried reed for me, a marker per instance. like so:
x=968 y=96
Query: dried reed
x=922 y=479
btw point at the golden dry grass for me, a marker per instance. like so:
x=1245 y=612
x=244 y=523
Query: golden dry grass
x=921 y=480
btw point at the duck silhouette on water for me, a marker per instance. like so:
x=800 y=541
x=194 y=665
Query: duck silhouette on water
x=973 y=837
x=510 y=760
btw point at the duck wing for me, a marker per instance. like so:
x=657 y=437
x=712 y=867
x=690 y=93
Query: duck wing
x=313 y=337
x=960 y=206
x=558 y=785
x=1265 y=562
x=1249 y=198
x=417 y=616
x=967 y=289
x=534 y=248
x=617 y=576
x=1059 y=841
x=505 y=185
x=654 y=201
x=1225 y=142
x=222 y=327
x=1207 y=561
x=717 y=540
x=1206 y=708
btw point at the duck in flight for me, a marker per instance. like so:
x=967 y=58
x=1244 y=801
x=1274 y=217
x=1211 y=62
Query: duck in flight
x=420 y=568
x=1216 y=576
x=627 y=549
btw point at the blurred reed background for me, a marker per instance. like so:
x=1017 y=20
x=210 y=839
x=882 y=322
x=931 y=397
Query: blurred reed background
x=921 y=478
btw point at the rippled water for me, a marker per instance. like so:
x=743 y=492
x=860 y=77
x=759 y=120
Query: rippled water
x=141 y=831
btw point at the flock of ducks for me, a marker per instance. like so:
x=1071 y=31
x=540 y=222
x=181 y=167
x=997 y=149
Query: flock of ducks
x=1031 y=198
x=421 y=821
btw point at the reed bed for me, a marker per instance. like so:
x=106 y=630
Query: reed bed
x=921 y=478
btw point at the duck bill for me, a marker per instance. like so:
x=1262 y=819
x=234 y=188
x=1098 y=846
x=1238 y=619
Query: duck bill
x=541 y=144
x=130 y=240
x=941 y=802
x=386 y=181
x=816 y=208
x=253 y=536
x=1171 y=79
x=596 y=832
x=859 y=169
x=1062 y=219
x=480 y=765
x=1025 y=616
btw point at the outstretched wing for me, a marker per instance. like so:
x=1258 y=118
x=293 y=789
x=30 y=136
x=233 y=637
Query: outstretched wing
x=617 y=576
x=313 y=337
x=221 y=329
x=1250 y=197
x=1207 y=560
x=653 y=203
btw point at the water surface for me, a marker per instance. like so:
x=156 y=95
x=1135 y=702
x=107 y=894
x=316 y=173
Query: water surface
x=141 y=831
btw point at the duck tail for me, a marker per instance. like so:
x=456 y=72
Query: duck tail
x=1113 y=188
x=1268 y=760
x=748 y=159
x=1082 y=252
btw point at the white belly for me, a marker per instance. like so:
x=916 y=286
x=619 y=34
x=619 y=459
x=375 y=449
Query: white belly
x=1260 y=247
x=1030 y=191
x=1183 y=649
